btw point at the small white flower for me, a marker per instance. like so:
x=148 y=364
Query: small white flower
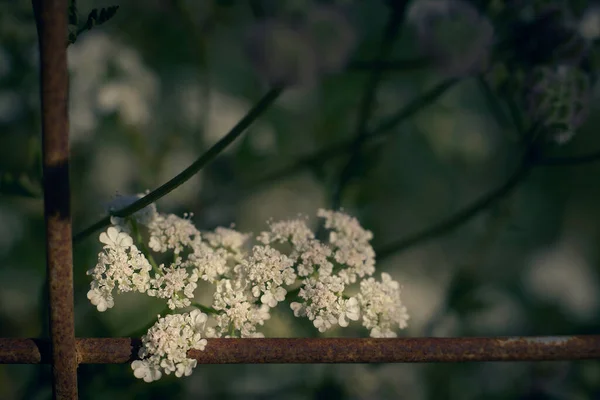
x=171 y=233
x=143 y=216
x=379 y=332
x=185 y=367
x=165 y=346
x=200 y=345
x=298 y=309
x=324 y=322
x=228 y=238
x=273 y=296
x=198 y=320
x=350 y=309
x=381 y=305
x=143 y=370
x=101 y=300
x=115 y=239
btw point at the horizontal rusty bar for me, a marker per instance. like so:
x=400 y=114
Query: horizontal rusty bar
x=327 y=350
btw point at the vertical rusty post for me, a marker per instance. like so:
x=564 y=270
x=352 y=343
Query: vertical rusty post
x=51 y=21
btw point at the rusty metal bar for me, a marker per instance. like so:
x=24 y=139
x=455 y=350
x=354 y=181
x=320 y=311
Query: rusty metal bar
x=327 y=350
x=51 y=21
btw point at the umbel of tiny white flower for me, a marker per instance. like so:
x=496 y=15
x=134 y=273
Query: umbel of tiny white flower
x=165 y=346
x=286 y=262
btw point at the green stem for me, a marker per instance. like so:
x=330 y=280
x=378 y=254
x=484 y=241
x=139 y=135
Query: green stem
x=494 y=104
x=292 y=293
x=337 y=150
x=415 y=64
x=527 y=163
x=205 y=309
x=190 y=171
x=144 y=248
x=413 y=107
x=571 y=160
x=367 y=104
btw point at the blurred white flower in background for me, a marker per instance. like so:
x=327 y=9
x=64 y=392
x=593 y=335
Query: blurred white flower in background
x=108 y=77
x=112 y=169
x=331 y=35
x=563 y=276
x=589 y=25
x=282 y=53
x=453 y=34
x=424 y=296
x=191 y=103
x=297 y=51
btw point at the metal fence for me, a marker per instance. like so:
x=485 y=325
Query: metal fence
x=65 y=352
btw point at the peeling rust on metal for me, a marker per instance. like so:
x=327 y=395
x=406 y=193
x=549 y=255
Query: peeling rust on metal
x=329 y=350
x=51 y=21
x=108 y=350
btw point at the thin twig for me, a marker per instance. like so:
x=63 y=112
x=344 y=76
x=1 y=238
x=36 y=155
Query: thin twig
x=412 y=64
x=190 y=171
x=412 y=108
x=494 y=104
x=469 y=268
x=368 y=102
x=462 y=216
x=570 y=160
x=337 y=150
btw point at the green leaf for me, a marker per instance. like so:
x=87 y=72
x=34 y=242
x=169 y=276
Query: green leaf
x=94 y=18
x=98 y=18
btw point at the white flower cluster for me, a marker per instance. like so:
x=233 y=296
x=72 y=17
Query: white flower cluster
x=120 y=265
x=286 y=263
x=382 y=310
x=166 y=344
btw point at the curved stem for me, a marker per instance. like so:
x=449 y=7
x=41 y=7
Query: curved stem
x=190 y=171
x=367 y=104
x=570 y=160
x=414 y=64
x=205 y=309
x=336 y=150
x=460 y=217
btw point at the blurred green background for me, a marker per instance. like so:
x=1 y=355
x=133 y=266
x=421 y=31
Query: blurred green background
x=163 y=80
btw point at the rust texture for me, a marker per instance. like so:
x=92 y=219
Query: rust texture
x=328 y=350
x=22 y=351
x=51 y=21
